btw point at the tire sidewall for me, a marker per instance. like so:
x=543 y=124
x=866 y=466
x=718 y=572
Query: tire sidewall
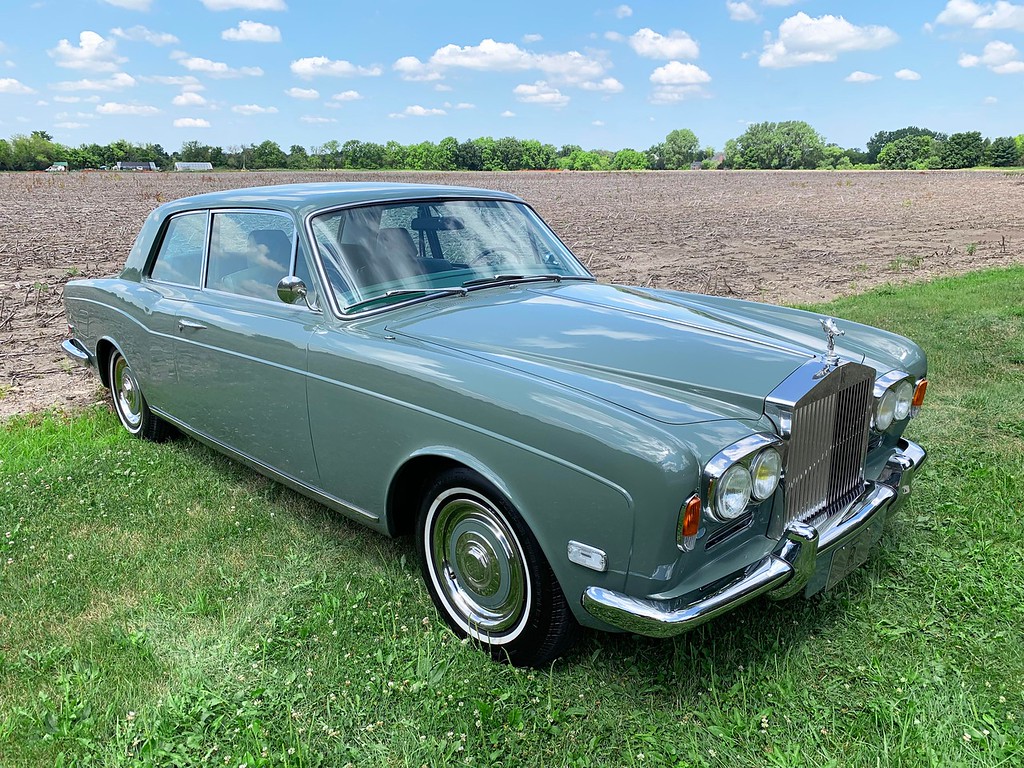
x=135 y=430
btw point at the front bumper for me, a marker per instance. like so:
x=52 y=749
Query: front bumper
x=805 y=559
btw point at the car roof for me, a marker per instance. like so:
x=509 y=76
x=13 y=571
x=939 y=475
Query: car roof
x=307 y=198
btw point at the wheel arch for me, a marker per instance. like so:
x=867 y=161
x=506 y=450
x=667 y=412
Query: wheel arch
x=105 y=347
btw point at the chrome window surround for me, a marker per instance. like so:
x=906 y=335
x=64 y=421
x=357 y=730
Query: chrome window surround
x=740 y=452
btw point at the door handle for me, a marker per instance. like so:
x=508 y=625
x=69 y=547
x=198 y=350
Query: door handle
x=190 y=325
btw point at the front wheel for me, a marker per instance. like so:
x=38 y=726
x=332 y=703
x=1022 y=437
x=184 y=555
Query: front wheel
x=129 y=404
x=487 y=575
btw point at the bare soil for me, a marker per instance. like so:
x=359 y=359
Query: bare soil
x=786 y=237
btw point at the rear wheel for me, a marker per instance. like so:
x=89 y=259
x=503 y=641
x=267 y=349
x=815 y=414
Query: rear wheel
x=487 y=575
x=129 y=403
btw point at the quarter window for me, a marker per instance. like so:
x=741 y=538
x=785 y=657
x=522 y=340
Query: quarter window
x=180 y=259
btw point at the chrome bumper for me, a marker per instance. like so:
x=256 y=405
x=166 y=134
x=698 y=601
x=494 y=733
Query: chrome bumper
x=75 y=350
x=805 y=559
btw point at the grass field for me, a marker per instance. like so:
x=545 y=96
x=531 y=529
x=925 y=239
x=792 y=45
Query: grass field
x=160 y=605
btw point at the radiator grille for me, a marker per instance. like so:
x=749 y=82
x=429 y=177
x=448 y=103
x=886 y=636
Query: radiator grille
x=828 y=444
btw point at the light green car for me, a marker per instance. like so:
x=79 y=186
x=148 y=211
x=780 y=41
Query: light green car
x=433 y=361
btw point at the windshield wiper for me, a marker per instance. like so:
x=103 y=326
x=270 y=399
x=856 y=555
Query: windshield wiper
x=516 y=278
x=429 y=293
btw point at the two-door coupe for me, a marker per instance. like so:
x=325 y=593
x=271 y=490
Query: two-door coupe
x=433 y=361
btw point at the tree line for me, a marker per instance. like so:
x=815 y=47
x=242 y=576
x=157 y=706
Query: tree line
x=788 y=145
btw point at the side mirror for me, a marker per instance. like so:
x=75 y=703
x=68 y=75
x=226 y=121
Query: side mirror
x=291 y=289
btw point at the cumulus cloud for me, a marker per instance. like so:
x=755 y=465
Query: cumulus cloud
x=92 y=52
x=653 y=45
x=141 y=34
x=70 y=125
x=858 y=76
x=245 y=5
x=303 y=93
x=465 y=105
x=133 y=110
x=417 y=111
x=805 y=40
x=606 y=85
x=532 y=38
x=412 y=69
x=540 y=93
x=252 y=32
x=677 y=81
x=508 y=113
x=216 y=69
x=321 y=66
x=191 y=122
x=130 y=5
x=316 y=119
x=998 y=15
x=741 y=11
x=188 y=99
x=113 y=83
x=253 y=109
x=906 y=74
x=347 y=96
x=12 y=86
x=1001 y=58
x=623 y=12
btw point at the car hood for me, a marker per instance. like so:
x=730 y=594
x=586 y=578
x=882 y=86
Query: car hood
x=673 y=357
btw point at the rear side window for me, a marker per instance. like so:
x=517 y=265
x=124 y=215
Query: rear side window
x=180 y=259
x=250 y=252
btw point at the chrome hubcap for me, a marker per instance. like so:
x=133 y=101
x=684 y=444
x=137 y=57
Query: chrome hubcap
x=478 y=565
x=127 y=396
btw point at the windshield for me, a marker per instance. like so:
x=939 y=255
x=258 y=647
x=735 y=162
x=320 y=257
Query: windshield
x=382 y=253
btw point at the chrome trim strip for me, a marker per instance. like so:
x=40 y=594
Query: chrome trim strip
x=781 y=574
x=888 y=380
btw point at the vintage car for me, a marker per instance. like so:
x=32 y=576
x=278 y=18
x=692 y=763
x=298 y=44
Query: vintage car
x=433 y=361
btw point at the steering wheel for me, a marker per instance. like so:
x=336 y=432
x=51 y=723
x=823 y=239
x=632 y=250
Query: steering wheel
x=494 y=257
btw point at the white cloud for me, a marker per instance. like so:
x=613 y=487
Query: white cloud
x=739 y=11
x=253 y=109
x=113 y=83
x=571 y=67
x=70 y=125
x=417 y=111
x=135 y=110
x=92 y=52
x=1001 y=58
x=598 y=123
x=778 y=2
x=315 y=119
x=245 y=5
x=303 y=93
x=907 y=74
x=252 y=32
x=540 y=93
x=317 y=66
x=653 y=45
x=623 y=12
x=188 y=99
x=606 y=85
x=191 y=122
x=534 y=38
x=412 y=69
x=442 y=87
x=508 y=113
x=12 y=86
x=998 y=15
x=990 y=100
x=131 y=5
x=805 y=40
x=677 y=73
x=861 y=77
x=465 y=105
x=615 y=37
x=216 y=69
x=141 y=34
x=347 y=96
x=183 y=81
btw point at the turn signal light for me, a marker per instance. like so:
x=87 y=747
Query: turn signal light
x=919 y=390
x=689 y=524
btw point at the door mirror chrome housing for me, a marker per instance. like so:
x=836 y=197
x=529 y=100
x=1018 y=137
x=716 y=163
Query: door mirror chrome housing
x=291 y=289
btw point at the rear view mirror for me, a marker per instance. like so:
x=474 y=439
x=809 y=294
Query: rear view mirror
x=436 y=223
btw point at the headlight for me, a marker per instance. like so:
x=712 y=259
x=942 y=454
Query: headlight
x=733 y=492
x=904 y=399
x=765 y=471
x=885 y=410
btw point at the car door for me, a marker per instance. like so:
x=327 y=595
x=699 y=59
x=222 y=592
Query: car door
x=241 y=352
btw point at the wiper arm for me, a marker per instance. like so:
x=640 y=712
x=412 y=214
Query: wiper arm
x=424 y=292
x=526 y=278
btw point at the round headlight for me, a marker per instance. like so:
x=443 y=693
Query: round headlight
x=885 y=409
x=765 y=471
x=733 y=492
x=904 y=397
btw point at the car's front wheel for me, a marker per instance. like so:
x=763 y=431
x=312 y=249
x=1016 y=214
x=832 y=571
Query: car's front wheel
x=129 y=403
x=487 y=575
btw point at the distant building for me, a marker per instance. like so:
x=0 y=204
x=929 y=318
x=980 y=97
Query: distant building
x=57 y=167
x=131 y=165
x=193 y=166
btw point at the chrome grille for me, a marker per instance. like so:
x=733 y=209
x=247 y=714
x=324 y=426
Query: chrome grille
x=828 y=444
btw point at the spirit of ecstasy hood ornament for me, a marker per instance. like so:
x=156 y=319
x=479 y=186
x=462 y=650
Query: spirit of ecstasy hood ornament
x=828 y=325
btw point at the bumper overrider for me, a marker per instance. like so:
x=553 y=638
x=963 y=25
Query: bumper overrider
x=805 y=559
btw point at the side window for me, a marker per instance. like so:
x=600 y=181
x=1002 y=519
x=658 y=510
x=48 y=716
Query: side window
x=302 y=269
x=250 y=252
x=180 y=259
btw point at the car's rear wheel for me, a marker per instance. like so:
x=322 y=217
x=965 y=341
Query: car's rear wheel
x=487 y=575
x=129 y=402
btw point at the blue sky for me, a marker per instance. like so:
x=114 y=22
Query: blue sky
x=602 y=75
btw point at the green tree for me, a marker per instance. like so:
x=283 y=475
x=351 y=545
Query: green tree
x=394 y=155
x=880 y=139
x=447 y=153
x=267 y=154
x=537 y=156
x=907 y=152
x=792 y=144
x=1002 y=152
x=469 y=156
x=34 y=152
x=656 y=157
x=963 y=150
x=629 y=160
x=581 y=160
x=298 y=157
x=680 y=148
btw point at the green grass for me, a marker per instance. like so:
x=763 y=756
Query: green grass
x=160 y=605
